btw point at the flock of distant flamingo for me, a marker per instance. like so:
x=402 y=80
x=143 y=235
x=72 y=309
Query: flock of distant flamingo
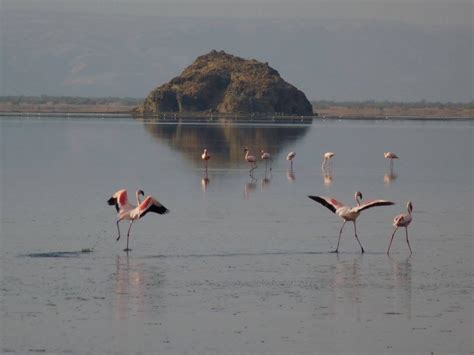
x=127 y=211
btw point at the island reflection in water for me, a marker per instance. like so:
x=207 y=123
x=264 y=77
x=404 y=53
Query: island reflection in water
x=225 y=142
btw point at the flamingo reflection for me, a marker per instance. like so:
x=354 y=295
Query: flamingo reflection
x=327 y=177
x=205 y=182
x=389 y=177
x=129 y=287
x=249 y=187
x=266 y=180
x=290 y=175
x=401 y=278
x=346 y=286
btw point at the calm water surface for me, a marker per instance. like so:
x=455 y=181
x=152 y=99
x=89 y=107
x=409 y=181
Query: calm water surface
x=241 y=264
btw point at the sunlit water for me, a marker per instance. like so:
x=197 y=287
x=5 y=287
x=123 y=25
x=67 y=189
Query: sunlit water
x=241 y=264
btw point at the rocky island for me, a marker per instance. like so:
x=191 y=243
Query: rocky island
x=219 y=82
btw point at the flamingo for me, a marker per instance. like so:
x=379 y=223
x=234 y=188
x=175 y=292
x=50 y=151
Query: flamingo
x=127 y=211
x=266 y=156
x=290 y=157
x=391 y=156
x=402 y=220
x=326 y=160
x=349 y=213
x=250 y=159
x=205 y=156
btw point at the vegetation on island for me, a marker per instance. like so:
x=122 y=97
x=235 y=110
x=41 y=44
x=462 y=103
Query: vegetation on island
x=324 y=108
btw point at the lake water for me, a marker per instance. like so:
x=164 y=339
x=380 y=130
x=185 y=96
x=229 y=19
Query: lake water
x=240 y=265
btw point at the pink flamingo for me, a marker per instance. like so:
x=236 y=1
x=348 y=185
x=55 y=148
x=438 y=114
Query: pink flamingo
x=326 y=160
x=290 y=157
x=251 y=160
x=205 y=156
x=349 y=213
x=391 y=156
x=266 y=157
x=127 y=211
x=402 y=220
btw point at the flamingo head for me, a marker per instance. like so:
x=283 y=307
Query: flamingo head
x=246 y=150
x=409 y=207
x=205 y=151
x=357 y=196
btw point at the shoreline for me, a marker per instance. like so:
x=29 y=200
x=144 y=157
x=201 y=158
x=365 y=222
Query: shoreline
x=229 y=117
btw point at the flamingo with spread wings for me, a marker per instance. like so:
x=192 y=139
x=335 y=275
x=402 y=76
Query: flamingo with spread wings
x=349 y=213
x=127 y=211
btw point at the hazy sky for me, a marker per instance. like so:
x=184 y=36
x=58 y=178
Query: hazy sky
x=339 y=49
x=412 y=11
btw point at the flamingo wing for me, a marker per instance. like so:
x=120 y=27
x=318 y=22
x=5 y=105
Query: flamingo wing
x=399 y=220
x=374 y=203
x=119 y=199
x=402 y=220
x=150 y=204
x=330 y=203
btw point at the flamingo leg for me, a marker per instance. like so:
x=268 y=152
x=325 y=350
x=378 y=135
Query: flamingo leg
x=408 y=242
x=339 y=240
x=391 y=240
x=271 y=163
x=128 y=236
x=118 y=228
x=254 y=166
x=323 y=166
x=355 y=234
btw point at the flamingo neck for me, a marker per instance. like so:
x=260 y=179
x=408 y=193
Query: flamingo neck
x=137 y=195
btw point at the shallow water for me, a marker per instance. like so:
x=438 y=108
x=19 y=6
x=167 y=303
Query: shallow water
x=241 y=264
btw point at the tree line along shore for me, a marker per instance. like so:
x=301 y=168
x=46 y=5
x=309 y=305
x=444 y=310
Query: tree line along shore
x=323 y=108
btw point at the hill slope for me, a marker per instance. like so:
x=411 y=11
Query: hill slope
x=221 y=82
